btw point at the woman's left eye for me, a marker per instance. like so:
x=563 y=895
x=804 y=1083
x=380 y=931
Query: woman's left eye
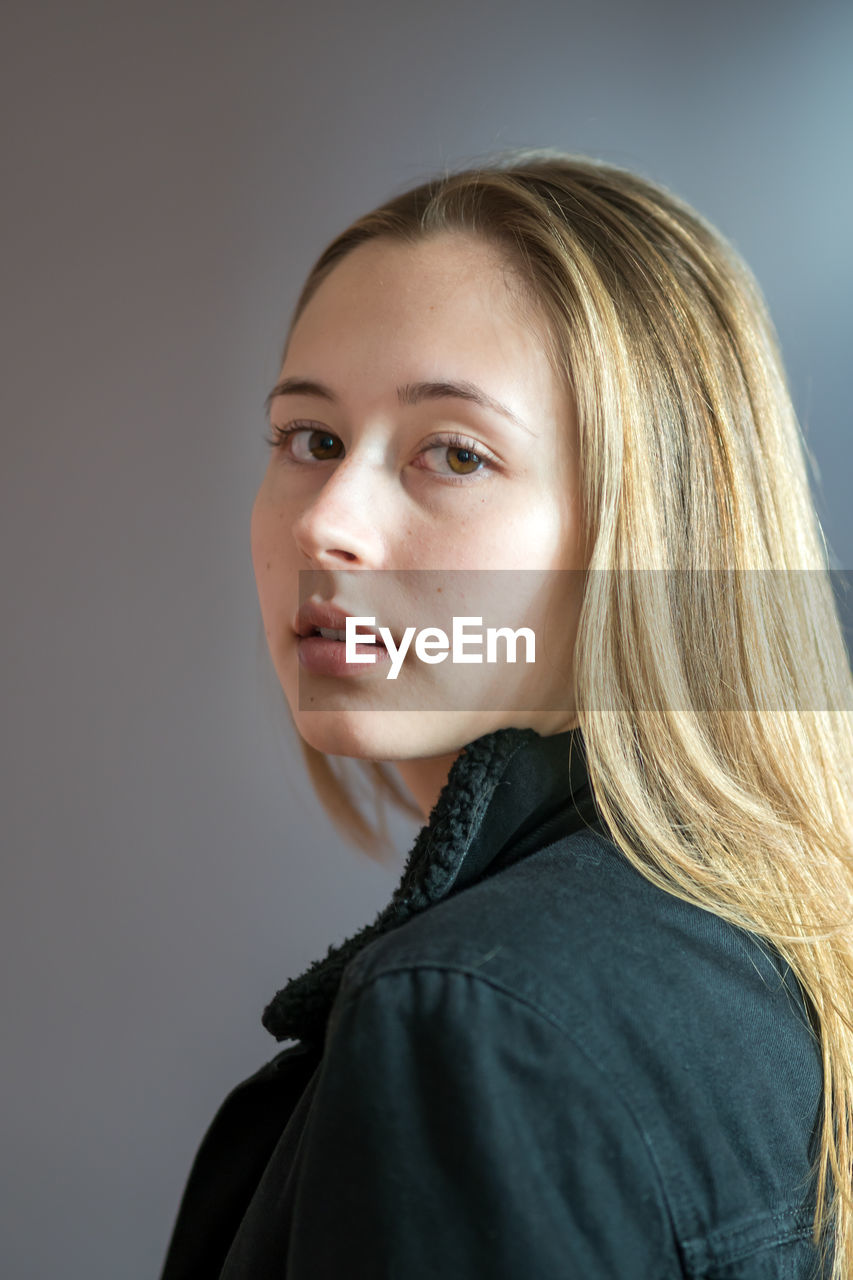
x=463 y=456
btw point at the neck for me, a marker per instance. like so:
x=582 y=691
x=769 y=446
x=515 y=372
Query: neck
x=425 y=778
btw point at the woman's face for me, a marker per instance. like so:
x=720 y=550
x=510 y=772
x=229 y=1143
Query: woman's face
x=376 y=477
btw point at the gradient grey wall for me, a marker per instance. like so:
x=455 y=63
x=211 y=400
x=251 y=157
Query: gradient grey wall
x=170 y=173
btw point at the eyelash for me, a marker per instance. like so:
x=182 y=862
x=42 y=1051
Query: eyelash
x=452 y=440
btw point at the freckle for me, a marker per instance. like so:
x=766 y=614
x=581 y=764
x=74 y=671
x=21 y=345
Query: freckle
x=269 y=564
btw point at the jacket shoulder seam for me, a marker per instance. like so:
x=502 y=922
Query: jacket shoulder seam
x=357 y=987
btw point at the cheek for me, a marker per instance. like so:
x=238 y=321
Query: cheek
x=269 y=542
x=259 y=537
x=268 y=522
x=478 y=535
x=535 y=538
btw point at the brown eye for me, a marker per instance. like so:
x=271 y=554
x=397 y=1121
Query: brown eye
x=321 y=445
x=455 y=457
x=466 y=458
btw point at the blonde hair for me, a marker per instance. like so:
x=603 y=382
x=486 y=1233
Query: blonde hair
x=690 y=460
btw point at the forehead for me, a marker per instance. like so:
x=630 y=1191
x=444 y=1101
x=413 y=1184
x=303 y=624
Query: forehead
x=448 y=291
x=439 y=256
x=447 y=269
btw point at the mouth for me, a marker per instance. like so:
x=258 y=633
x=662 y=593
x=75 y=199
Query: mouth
x=321 y=618
x=338 y=636
x=323 y=652
x=317 y=615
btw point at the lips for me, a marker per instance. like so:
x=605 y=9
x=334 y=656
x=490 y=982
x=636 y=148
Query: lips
x=314 y=615
x=327 y=656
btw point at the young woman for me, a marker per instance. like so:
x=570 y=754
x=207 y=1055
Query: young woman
x=603 y=1027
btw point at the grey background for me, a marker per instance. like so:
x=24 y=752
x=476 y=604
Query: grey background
x=170 y=172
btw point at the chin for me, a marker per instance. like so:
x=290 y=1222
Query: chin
x=391 y=735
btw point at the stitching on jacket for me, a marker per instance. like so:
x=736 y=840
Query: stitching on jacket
x=723 y=1248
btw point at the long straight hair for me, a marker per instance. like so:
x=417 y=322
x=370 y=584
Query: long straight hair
x=690 y=460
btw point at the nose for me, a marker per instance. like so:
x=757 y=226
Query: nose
x=340 y=526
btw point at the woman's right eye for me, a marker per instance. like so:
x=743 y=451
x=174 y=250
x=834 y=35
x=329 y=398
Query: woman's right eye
x=304 y=442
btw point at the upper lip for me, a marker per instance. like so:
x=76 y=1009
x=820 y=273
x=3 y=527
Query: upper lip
x=313 y=615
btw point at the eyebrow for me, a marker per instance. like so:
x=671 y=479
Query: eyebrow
x=411 y=393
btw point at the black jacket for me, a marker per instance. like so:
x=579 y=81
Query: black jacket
x=534 y=1064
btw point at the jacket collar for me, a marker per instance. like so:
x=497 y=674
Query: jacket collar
x=508 y=793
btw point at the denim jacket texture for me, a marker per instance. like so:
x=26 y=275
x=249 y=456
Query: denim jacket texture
x=534 y=1065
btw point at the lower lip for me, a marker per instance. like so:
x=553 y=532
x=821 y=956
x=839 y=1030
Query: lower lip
x=326 y=657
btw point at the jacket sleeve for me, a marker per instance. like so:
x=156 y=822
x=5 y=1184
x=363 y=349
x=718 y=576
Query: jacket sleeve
x=457 y=1131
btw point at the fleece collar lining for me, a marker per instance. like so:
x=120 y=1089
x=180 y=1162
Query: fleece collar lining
x=496 y=801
